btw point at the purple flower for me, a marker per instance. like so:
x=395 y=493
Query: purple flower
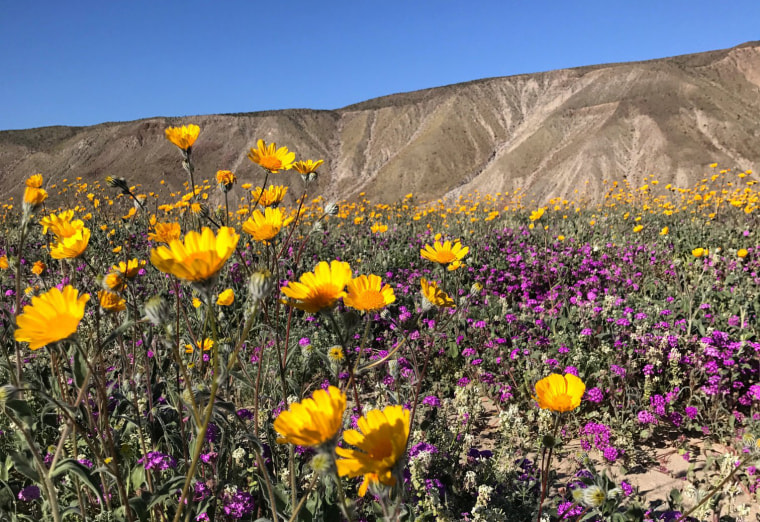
x=238 y=505
x=691 y=412
x=29 y=493
x=158 y=460
x=432 y=401
x=627 y=488
x=595 y=395
x=464 y=381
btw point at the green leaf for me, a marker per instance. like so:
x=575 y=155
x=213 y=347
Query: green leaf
x=22 y=410
x=23 y=465
x=166 y=490
x=79 y=367
x=72 y=466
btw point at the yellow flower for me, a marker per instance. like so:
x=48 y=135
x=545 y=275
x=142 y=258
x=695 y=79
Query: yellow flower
x=380 y=444
x=308 y=166
x=271 y=158
x=444 y=253
x=226 y=298
x=61 y=224
x=4 y=263
x=742 y=252
x=38 y=268
x=265 y=226
x=664 y=231
x=130 y=269
x=34 y=196
x=319 y=289
x=271 y=196
x=335 y=354
x=314 y=421
x=199 y=257
x=197 y=303
x=699 y=252
x=435 y=295
x=560 y=238
x=560 y=393
x=165 y=232
x=183 y=137
x=115 y=281
x=638 y=228
x=368 y=294
x=203 y=345
x=72 y=246
x=111 y=302
x=226 y=178
x=536 y=214
x=377 y=228
x=34 y=181
x=52 y=316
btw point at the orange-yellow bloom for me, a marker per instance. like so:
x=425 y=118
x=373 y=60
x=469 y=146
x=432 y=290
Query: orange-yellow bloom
x=270 y=197
x=34 y=181
x=308 y=166
x=4 y=263
x=199 y=257
x=368 y=294
x=225 y=178
x=72 y=246
x=560 y=393
x=699 y=252
x=320 y=289
x=536 y=214
x=34 y=196
x=314 y=421
x=111 y=302
x=265 y=226
x=52 y=317
x=165 y=232
x=38 y=268
x=435 y=295
x=183 y=137
x=444 y=253
x=130 y=269
x=380 y=442
x=271 y=158
x=742 y=253
x=226 y=298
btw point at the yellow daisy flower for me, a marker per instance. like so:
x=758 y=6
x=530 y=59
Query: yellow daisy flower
x=4 y=263
x=226 y=179
x=115 y=281
x=265 y=226
x=226 y=298
x=308 y=166
x=38 y=268
x=699 y=252
x=34 y=196
x=165 y=232
x=199 y=257
x=34 y=181
x=435 y=295
x=270 y=197
x=271 y=158
x=183 y=137
x=52 y=317
x=130 y=269
x=312 y=422
x=367 y=294
x=72 y=246
x=536 y=214
x=560 y=393
x=742 y=253
x=319 y=289
x=111 y=302
x=444 y=253
x=380 y=444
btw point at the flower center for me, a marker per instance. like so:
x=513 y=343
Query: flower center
x=271 y=163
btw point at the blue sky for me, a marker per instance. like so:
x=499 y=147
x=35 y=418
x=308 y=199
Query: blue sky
x=85 y=62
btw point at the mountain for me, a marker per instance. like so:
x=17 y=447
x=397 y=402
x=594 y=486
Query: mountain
x=549 y=133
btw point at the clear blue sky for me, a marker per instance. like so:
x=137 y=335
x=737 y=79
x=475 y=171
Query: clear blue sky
x=82 y=62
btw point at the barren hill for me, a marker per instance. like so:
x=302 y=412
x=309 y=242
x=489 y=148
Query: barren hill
x=546 y=132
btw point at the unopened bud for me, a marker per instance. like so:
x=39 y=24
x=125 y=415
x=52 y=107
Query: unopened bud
x=260 y=285
x=332 y=209
x=157 y=311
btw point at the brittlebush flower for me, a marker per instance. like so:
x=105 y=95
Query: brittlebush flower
x=199 y=257
x=271 y=158
x=61 y=224
x=226 y=298
x=699 y=252
x=380 y=444
x=265 y=226
x=115 y=281
x=111 y=302
x=560 y=393
x=320 y=289
x=4 y=263
x=203 y=345
x=72 y=246
x=307 y=167
x=225 y=178
x=314 y=421
x=38 y=268
x=270 y=197
x=52 y=317
x=130 y=269
x=165 y=232
x=183 y=137
x=638 y=228
x=444 y=253
x=742 y=253
x=34 y=181
x=368 y=294
x=536 y=214
x=34 y=196
x=434 y=295
x=377 y=228
x=664 y=231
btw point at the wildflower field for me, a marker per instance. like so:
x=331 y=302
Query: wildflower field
x=244 y=350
